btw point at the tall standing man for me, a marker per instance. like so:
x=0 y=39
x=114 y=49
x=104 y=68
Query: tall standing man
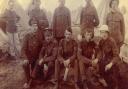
x=115 y=21
x=38 y=13
x=89 y=18
x=61 y=20
x=12 y=19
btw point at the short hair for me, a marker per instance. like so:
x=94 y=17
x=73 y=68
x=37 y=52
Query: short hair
x=90 y=32
x=110 y=4
x=33 y=21
x=48 y=32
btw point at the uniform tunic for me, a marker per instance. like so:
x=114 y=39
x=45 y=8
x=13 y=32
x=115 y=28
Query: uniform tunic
x=115 y=22
x=108 y=53
x=32 y=46
x=89 y=18
x=61 y=21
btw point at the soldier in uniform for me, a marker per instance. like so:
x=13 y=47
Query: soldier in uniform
x=12 y=19
x=67 y=53
x=47 y=57
x=88 y=18
x=115 y=21
x=61 y=20
x=30 y=51
x=86 y=53
x=39 y=14
x=108 y=58
x=123 y=66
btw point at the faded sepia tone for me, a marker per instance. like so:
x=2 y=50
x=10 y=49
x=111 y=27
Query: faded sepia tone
x=63 y=44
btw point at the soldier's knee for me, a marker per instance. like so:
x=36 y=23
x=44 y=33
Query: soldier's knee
x=25 y=64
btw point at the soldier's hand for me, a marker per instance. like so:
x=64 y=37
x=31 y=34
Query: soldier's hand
x=41 y=61
x=25 y=61
x=94 y=62
x=109 y=66
x=66 y=63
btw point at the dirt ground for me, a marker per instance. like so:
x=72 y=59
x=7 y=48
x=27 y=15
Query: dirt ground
x=12 y=77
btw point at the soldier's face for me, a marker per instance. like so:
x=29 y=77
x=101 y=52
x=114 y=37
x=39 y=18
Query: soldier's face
x=104 y=34
x=62 y=2
x=88 y=36
x=11 y=5
x=48 y=38
x=114 y=4
x=35 y=27
x=68 y=35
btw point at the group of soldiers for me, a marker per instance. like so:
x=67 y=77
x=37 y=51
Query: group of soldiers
x=47 y=51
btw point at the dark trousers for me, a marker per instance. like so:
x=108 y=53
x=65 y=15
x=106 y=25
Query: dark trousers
x=28 y=68
x=38 y=72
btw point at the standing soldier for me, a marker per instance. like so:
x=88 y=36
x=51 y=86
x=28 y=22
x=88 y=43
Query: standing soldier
x=38 y=13
x=108 y=57
x=115 y=22
x=30 y=51
x=61 y=20
x=66 y=56
x=47 y=57
x=89 y=18
x=12 y=19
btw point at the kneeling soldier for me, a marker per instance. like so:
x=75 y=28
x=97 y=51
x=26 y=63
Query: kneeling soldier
x=66 y=56
x=30 y=51
x=86 y=53
x=108 y=56
x=47 y=57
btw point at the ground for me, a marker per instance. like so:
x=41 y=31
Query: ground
x=12 y=77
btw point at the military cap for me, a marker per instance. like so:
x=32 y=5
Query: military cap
x=104 y=28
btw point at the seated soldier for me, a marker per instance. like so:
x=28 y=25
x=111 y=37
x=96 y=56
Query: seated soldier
x=67 y=52
x=47 y=57
x=87 y=53
x=123 y=65
x=107 y=58
x=30 y=51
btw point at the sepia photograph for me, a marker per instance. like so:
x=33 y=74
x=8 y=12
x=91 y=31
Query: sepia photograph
x=63 y=44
